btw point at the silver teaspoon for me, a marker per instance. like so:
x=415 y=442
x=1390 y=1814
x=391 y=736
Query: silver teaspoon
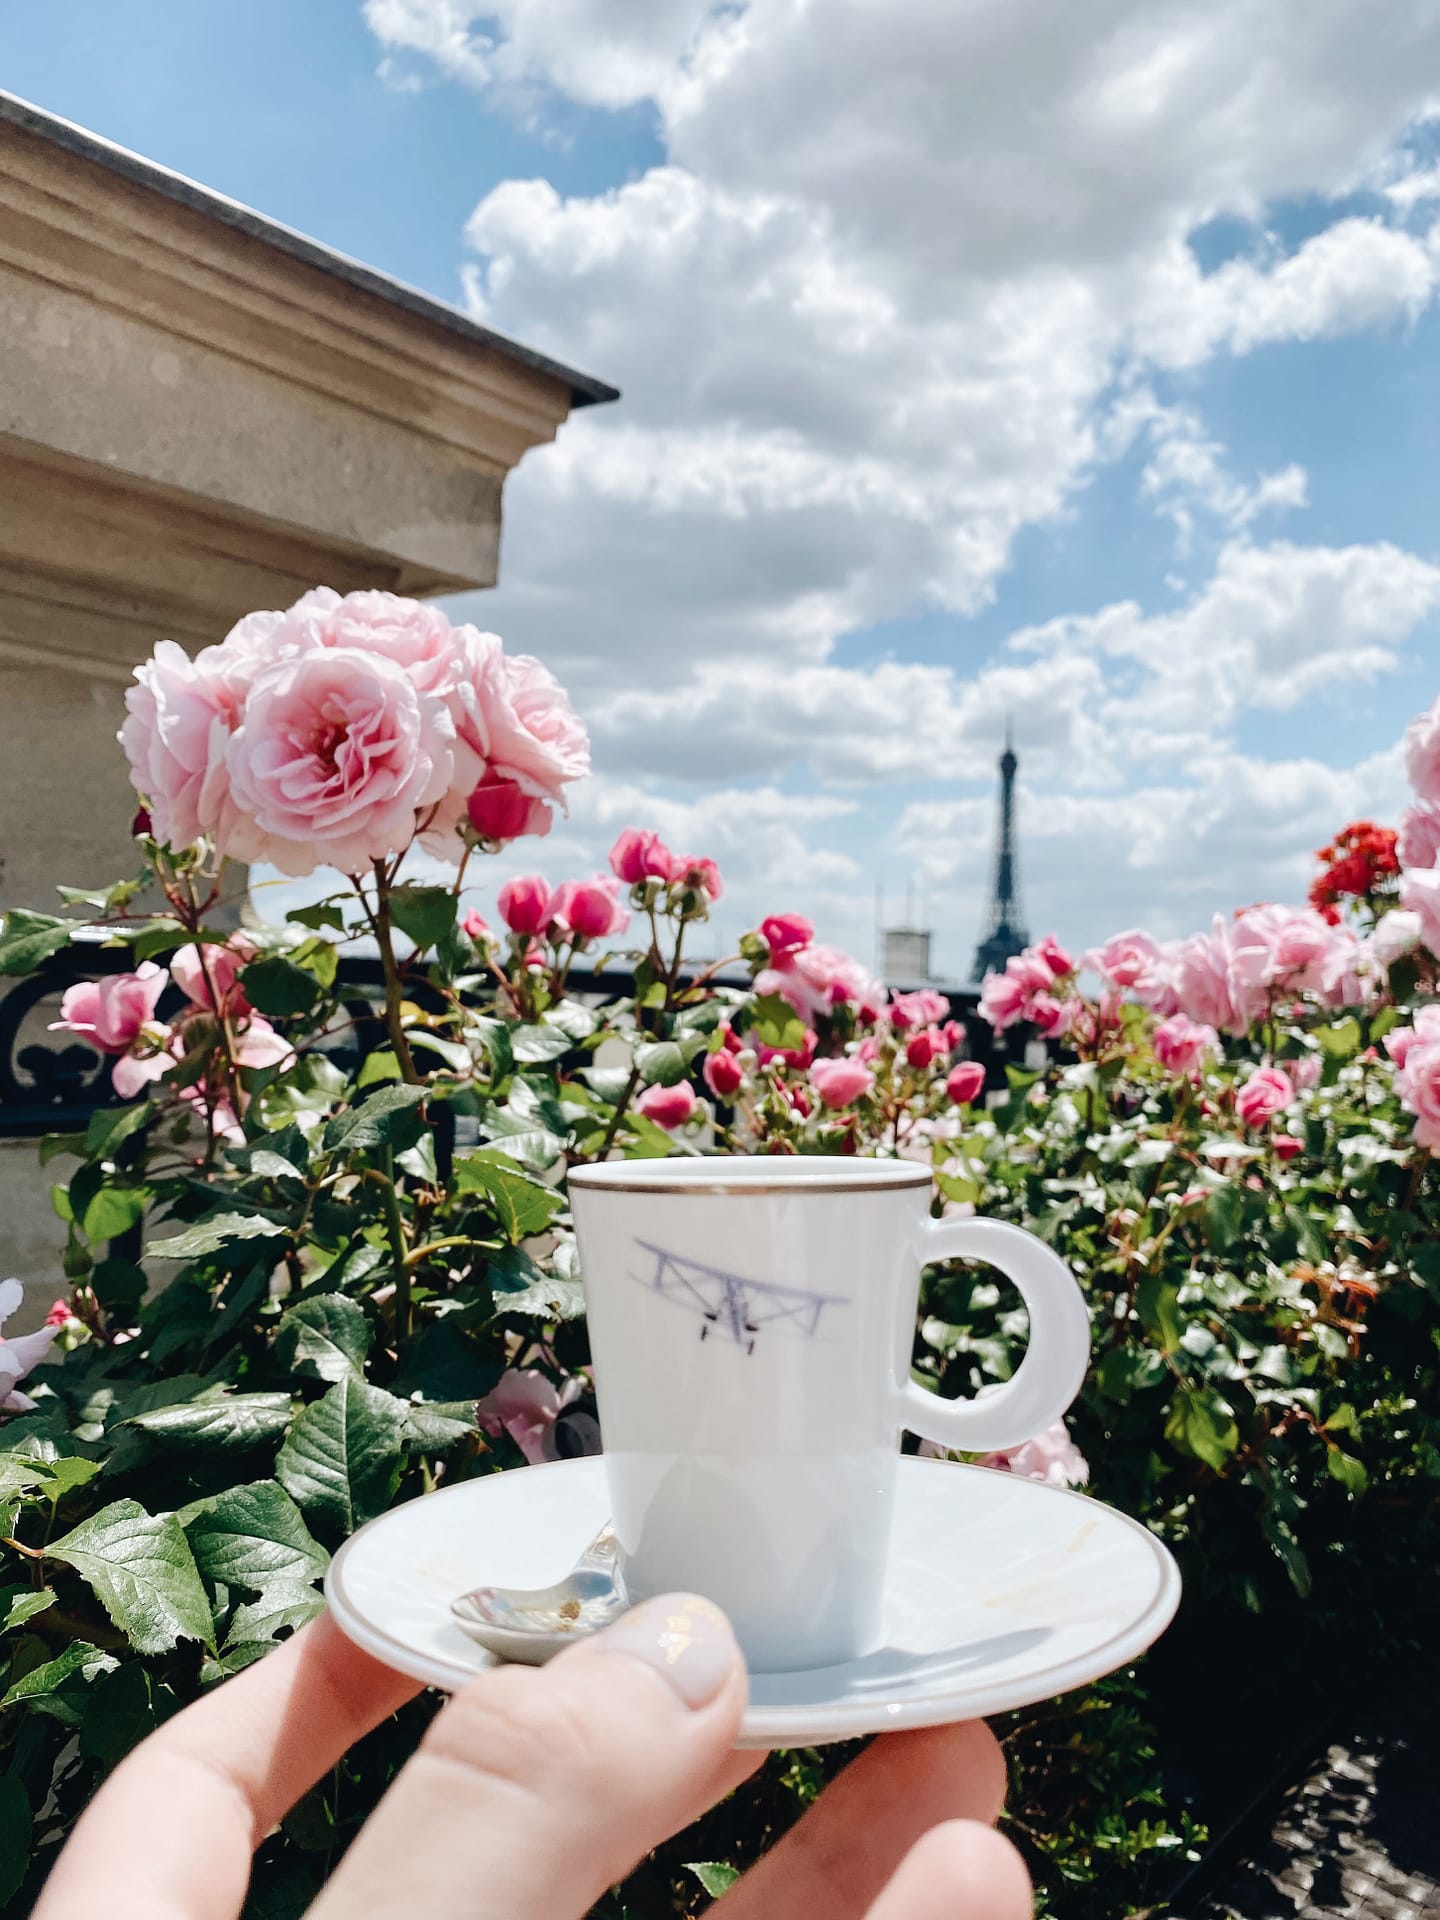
x=530 y=1624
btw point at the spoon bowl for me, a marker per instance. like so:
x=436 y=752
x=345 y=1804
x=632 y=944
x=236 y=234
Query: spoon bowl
x=531 y=1624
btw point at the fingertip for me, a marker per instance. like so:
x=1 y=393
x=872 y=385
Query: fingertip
x=961 y=1866
x=963 y=1761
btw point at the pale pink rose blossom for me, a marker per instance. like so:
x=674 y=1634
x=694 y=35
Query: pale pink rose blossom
x=22 y=1355
x=335 y=756
x=1203 y=981
x=196 y=972
x=1003 y=999
x=638 y=856
x=1181 y=1044
x=112 y=1013
x=1418 y=843
x=525 y=904
x=1424 y=1030
x=815 y=979
x=923 y=1008
x=1396 y=933
x=1416 y=1053
x=668 y=1107
x=589 y=909
x=1136 y=963
x=966 y=1082
x=840 y=1083
x=1422 y=754
x=1049 y=1016
x=699 y=874
x=257 y=1044
x=1420 y=895
x=1305 y=1071
x=1268 y=1091
x=1051 y=1457
x=526 y=1404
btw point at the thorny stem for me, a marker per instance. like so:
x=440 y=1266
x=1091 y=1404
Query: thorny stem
x=380 y=921
x=395 y=1234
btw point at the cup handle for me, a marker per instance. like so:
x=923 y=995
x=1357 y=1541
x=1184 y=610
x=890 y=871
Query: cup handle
x=1056 y=1356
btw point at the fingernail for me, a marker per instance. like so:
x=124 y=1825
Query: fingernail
x=683 y=1638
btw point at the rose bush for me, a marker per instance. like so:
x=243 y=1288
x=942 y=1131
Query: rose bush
x=358 y=1280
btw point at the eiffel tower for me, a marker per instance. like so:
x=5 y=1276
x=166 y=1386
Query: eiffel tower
x=1005 y=933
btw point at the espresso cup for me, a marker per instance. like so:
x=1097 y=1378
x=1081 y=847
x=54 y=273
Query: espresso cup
x=751 y=1322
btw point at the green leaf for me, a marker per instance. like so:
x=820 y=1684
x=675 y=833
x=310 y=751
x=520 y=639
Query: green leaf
x=140 y=1568
x=112 y=1125
x=15 y=1826
x=573 y=1018
x=325 y=1338
x=434 y=1426
x=209 y=1236
x=523 y=1140
x=1201 y=1423
x=522 y=1205
x=715 y=1876
x=28 y=938
x=275 y=985
x=665 y=1063
x=1222 y=1217
x=455 y=1056
x=536 y=1045
x=227 y=1424
x=253 y=1536
x=19 y=1604
x=1158 y=1306
x=550 y=1296
x=324 y=913
x=378 y=1067
x=1345 y=1468
x=114 y=1210
x=426 y=914
x=59 y=1687
x=342 y=1457
x=286 y=1605
x=1341 y=1040
x=386 y=1119
x=122 y=1709
x=776 y=1022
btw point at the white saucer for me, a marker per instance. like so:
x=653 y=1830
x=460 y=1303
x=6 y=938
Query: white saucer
x=1000 y=1592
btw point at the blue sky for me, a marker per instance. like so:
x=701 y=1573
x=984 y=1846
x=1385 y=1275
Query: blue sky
x=1090 y=377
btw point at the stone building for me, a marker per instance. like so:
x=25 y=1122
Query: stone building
x=201 y=412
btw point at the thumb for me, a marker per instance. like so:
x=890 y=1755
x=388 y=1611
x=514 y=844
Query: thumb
x=535 y=1791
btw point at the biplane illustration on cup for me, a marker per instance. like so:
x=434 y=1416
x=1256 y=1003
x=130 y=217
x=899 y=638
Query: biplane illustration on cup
x=753 y=1457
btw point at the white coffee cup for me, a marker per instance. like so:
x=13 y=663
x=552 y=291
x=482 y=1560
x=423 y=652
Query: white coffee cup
x=751 y=1321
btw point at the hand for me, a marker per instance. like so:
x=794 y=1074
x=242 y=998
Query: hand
x=532 y=1793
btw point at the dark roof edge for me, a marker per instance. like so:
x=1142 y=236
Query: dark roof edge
x=584 y=390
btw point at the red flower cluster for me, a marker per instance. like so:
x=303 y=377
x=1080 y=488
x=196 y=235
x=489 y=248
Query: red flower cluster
x=1355 y=865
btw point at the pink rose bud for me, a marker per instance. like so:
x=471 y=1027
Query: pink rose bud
x=966 y=1082
x=723 y=1074
x=731 y=1040
x=61 y=1312
x=638 y=856
x=840 y=1083
x=475 y=927
x=798 y=1099
x=1268 y=1091
x=923 y=1049
x=699 y=874
x=668 y=1107
x=786 y=932
x=524 y=904
x=500 y=809
x=1181 y=1043
x=1287 y=1146
x=588 y=909
x=1054 y=955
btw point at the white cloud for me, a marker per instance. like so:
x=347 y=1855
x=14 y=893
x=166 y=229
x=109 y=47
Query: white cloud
x=907 y=277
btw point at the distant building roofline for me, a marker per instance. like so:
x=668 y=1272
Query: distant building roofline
x=585 y=391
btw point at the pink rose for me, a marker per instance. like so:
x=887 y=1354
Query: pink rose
x=588 y=909
x=923 y=1049
x=1418 y=844
x=1416 y=1053
x=335 y=755
x=1135 y=962
x=815 y=979
x=111 y=1014
x=697 y=874
x=536 y=737
x=668 y=1107
x=1181 y=1043
x=966 y=1082
x=1051 y=1457
x=525 y=904
x=1396 y=933
x=1268 y=1091
x=923 y=1008
x=525 y=1404
x=178 y=719
x=1202 y=979
x=1422 y=754
x=1287 y=1146
x=476 y=927
x=190 y=969
x=20 y=1356
x=500 y=809
x=414 y=635
x=1292 y=950
x=1420 y=894
x=786 y=932
x=1054 y=955
x=840 y=1083
x=1049 y=1016
x=1003 y=998
x=723 y=1074
x=798 y=1057
x=639 y=856
x=257 y=1044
